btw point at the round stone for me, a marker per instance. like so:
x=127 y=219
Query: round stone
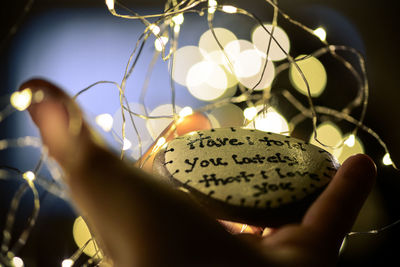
x=247 y=175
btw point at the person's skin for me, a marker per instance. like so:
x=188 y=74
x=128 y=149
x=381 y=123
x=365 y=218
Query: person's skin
x=141 y=222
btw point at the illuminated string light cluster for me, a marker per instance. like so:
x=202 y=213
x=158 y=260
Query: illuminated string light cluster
x=233 y=76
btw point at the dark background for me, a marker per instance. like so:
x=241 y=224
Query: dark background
x=377 y=22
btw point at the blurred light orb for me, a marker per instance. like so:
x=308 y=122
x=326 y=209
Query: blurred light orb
x=21 y=99
x=67 y=263
x=247 y=64
x=320 y=33
x=126 y=144
x=228 y=115
x=156 y=126
x=209 y=45
x=269 y=121
x=263 y=79
x=331 y=136
x=261 y=39
x=387 y=160
x=314 y=72
x=81 y=234
x=105 y=121
x=250 y=113
x=29 y=176
x=184 y=58
x=186 y=111
x=17 y=262
x=160 y=43
x=206 y=81
x=354 y=146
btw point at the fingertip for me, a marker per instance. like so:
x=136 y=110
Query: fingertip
x=360 y=166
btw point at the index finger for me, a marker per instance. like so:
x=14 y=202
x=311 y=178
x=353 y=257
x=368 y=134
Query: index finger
x=336 y=209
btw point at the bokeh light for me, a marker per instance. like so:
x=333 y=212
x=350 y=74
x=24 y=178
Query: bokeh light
x=207 y=81
x=156 y=126
x=209 y=46
x=350 y=148
x=313 y=71
x=269 y=121
x=261 y=39
x=82 y=235
x=184 y=58
x=228 y=115
x=331 y=136
x=21 y=99
x=105 y=121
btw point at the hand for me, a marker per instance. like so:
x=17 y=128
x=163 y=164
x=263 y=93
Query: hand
x=141 y=222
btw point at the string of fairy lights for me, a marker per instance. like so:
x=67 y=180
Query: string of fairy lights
x=235 y=77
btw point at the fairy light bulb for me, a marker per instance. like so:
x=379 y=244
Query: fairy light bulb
x=29 y=176
x=186 y=111
x=320 y=33
x=126 y=144
x=17 y=262
x=212 y=6
x=250 y=113
x=154 y=29
x=159 y=43
x=178 y=19
x=110 y=4
x=21 y=99
x=105 y=121
x=67 y=263
x=229 y=9
x=350 y=141
x=387 y=160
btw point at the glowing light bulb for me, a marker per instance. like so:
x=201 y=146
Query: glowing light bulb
x=212 y=6
x=350 y=142
x=320 y=33
x=105 y=121
x=387 y=160
x=67 y=263
x=22 y=99
x=250 y=113
x=177 y=28
x=229 y=9
x=178 y=19
x=154 y=29
x=186 y=111
x=126 y=144
x=159 y=43
x=29 y=176
x=159 y=144
x=18 y=262
x=110 y=4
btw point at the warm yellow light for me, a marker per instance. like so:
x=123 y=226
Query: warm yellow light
x=350 y=141
x=207 y=81
x=126 y=144
x=21 y=99
x=184 y=58
x=110 y=4
x=347 y=151
x=154 y=29
x=186 y=111
x=270 y=121
x=160 y=43
x=387 y=160
x=229 y=9
x=248 y=63
x=279 y=46
x=177 y=28
x=29 y=176
x=250 y=112
x=228 y=115
x=18 y=262
x=320 y=33
x=314 y=73
x=212 y=6
x=178 y=19
x=67 y=263
x=329 y=135
x=209 y=46
x=159 y=144
x=81 y=234
x=105 y=121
